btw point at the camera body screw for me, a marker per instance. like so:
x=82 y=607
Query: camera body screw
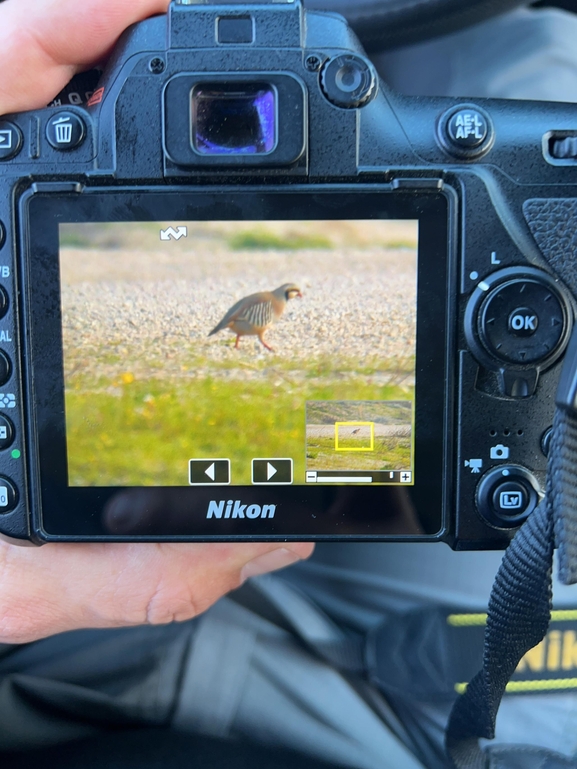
x=156 y=65
x=313 y=62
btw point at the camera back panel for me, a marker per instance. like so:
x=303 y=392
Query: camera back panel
x=241 y=180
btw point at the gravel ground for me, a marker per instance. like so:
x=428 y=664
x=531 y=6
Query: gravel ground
x=156 y=311
x=379 y=431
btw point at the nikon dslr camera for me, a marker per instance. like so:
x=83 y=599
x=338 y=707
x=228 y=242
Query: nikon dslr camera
x=248 y=293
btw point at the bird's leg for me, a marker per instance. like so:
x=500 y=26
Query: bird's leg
x=237 y=341
x=268 y=347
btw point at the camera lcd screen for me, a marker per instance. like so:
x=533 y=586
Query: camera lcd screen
x=237 y=119
x=215 y=364
x=272 y=352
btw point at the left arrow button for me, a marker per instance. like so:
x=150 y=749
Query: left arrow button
x=209 y=472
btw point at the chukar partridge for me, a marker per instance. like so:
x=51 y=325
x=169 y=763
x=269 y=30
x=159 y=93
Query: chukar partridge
x=252 y=315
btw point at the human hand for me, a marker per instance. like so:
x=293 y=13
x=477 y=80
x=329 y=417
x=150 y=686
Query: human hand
x=59 y=587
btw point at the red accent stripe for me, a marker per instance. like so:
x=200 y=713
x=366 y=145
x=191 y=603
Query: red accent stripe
x=96 y=97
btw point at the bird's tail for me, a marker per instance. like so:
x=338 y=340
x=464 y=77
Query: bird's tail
x=217 y=328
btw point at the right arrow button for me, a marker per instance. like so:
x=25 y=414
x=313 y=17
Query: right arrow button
x=273 y=471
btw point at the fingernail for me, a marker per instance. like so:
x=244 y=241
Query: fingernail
x=276 y=559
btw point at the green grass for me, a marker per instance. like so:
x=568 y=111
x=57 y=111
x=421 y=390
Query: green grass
x=131 y=431
x=265 y=239
x=401 y=244
x=388 y=454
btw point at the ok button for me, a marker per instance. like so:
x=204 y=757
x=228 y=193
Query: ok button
x=523 y=322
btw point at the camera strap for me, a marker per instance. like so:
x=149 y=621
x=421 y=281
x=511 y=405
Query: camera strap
x=519 y=609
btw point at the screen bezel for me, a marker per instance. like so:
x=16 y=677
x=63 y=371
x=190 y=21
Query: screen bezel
x=303 y=512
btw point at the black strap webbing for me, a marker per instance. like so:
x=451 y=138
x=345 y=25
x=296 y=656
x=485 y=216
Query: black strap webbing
x=520 y=604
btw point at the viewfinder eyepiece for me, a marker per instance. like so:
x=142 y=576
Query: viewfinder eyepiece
x=234 y=119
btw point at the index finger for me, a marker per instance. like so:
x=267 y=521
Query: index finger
x=43 y=43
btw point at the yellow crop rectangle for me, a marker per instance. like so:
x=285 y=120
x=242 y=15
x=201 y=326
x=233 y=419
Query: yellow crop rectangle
x=371 y=446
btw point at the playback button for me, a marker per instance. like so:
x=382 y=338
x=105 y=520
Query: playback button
x=8 y=495
x=10 y=140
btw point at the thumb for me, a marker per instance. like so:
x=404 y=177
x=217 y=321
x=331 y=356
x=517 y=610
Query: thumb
x=44 y=43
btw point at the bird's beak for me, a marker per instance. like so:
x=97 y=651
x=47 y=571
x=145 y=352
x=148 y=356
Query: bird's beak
x=300 y=296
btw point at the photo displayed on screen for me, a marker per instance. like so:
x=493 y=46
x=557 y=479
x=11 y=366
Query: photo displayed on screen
x=246 y=352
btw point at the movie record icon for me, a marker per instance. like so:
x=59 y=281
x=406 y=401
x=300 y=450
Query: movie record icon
x=272 y=471
x=209 y=472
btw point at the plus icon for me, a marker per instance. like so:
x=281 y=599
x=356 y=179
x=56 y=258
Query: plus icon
x=406 y=477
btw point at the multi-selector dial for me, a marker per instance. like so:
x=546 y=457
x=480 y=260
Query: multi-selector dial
x=518 y=322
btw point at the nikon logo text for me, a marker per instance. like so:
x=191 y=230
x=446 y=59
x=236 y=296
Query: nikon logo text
x=234 y=509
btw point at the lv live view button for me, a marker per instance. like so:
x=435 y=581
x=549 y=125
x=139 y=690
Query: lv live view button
x=209 y=472
x=272 y=471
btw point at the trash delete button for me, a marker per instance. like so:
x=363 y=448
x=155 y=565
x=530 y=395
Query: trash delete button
x=65 y=131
